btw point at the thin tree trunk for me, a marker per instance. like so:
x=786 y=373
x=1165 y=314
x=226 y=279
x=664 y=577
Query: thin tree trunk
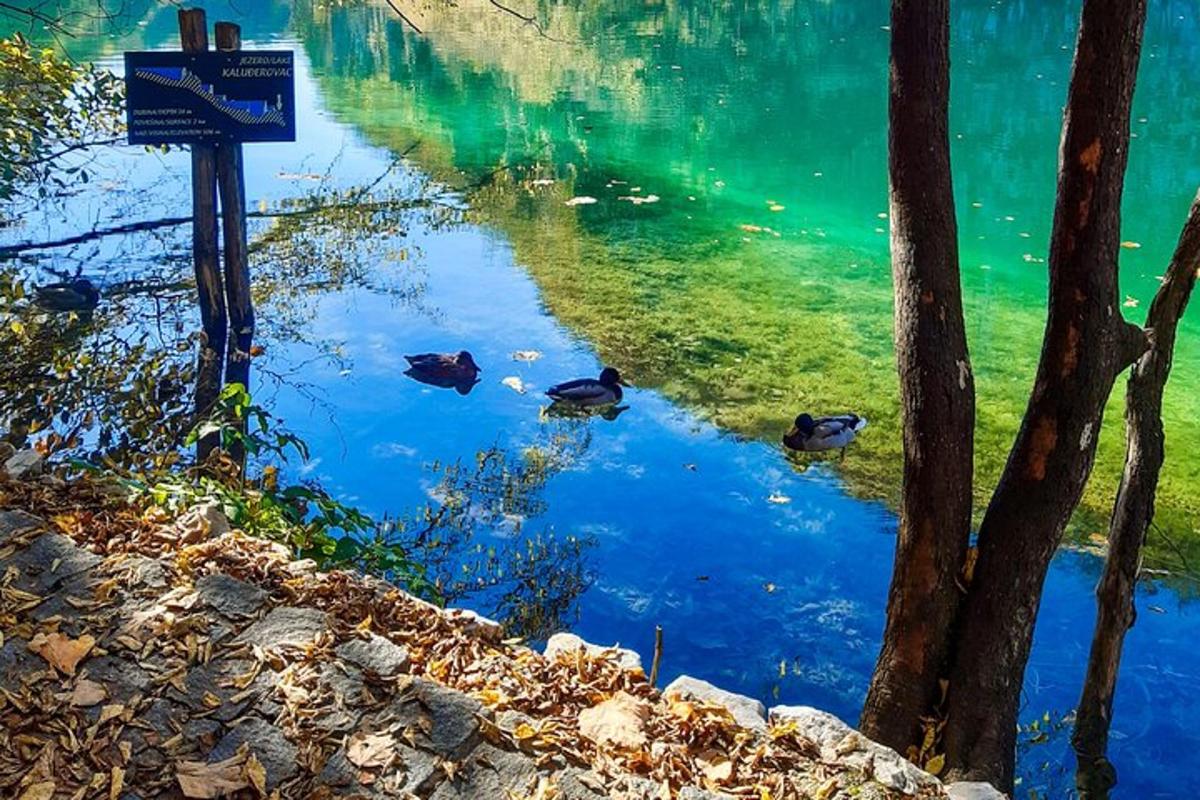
x=1086 y=345
x=937 y=389
x=1132 y=514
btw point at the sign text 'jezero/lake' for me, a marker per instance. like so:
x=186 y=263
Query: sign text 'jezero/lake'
x=185 y=98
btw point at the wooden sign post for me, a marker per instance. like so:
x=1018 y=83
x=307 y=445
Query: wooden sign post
x=214 y=101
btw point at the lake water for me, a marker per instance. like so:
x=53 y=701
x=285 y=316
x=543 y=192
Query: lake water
x=768 y=575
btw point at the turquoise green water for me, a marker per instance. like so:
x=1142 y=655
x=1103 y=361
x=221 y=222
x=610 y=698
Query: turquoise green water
x=724 y=111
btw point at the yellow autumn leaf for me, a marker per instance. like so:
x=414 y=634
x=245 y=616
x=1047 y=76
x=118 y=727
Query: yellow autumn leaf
x=256 y=773
x=935 y=765
x=116 y=783
x=43 y=790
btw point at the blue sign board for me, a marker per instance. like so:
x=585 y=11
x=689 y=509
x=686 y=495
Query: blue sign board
x=186 y=98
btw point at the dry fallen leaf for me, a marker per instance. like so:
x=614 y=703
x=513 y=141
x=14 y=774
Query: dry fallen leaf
x=87 y=693
x=116 y=783
x=201 y=780
x=368 y=750
x=42 y=790
x=619 y=720
x=62 y=652
x=716 y=766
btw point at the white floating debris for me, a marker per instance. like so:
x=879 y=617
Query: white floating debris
x=542 y=182
x=528 y=356
x=581 y=200
x=637 y=201
x=778 y=499
x=514 y=383
x=1131 y=301
x=1131 y=245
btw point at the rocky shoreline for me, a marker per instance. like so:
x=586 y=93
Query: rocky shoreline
x=152 y=658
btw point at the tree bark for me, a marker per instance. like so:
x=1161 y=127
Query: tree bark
x=1086 y=345
x=937 y=390
x=1134 y=509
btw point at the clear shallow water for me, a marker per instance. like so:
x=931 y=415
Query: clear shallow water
x=659 y=525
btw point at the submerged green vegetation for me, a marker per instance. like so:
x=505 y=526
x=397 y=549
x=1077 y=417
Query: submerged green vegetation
x=756 y=283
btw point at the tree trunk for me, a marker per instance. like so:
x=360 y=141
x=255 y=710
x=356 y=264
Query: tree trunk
x=1132 y=514
x=1086 y=345
x=937 y=389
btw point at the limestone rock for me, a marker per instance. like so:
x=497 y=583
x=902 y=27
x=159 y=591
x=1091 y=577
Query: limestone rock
x=490 y=772
x=375 y=655
x=840 y=743
x=747 y=711
x=24 y=464
x=974 y=790
x=561 y=643
x=269 y=745
x=228 y=595
x=285 y=626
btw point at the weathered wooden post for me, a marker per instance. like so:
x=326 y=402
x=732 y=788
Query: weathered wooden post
x=232 y=185
x=214 y=101
x=193 y=34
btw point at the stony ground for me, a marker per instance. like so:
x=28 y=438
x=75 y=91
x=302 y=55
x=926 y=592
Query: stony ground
x=178 y=659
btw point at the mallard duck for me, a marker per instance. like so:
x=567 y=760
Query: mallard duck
x=449 y=370
x=824 y=433
x=590 y=392
x=76 y=295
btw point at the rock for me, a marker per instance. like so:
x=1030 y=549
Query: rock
x=692 y=793
x=200 y=522
x=561 y=643
x=578 y=784
x=269 y=745
x=747 y=711
x=48 y=562
x=489 y=773
x=7 y=451
x=819 y=727
x=13 y=523
x=24 y=464
x=229 y=596
x=974 y=790
x=453 y=717
x=122 y=678
x=285 y=626
x=842 y=744
x=487 y=629
x=375 y=655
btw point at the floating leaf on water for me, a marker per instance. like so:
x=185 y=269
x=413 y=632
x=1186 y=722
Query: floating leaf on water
x=977 y=204
x=1131 y=245
x=527 y=356
x=1131 y=301
x=778 y=498
x=775 y=207
x=719 y=184
x=581 y=200
x=882 y=215
x=769 y=587
x=637 y=201
x=514 y=383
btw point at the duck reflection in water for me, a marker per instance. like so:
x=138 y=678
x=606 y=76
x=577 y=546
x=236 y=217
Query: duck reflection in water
x=457 y=371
